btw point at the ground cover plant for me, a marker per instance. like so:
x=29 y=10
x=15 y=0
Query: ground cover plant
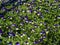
x=29 y=22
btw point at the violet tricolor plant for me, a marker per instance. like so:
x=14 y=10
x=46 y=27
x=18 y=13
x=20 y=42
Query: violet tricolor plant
x=29 y=22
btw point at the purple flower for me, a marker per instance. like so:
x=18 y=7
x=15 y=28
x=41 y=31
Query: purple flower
x=22 y=23
x=43 y=32
x=17 y=11
x=56 y=0
x=36 y=42
x=39 y=13
x=26 y=21
x=11 y=34
x=44 y=36
x=1 y=15
x=26 y=17
x=20 y=2
x=1 y=31
x=3 y=8
x=3 y=18
x=41 y=39
x=31 y=10
x=56 y=24
x=13 y=24
x=17 y=43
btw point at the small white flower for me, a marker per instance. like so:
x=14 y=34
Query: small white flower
x=23 y=11
x=28 y=37
x=6 y=24
x=27 y=43
x=21 y=24
x=6 y=27
x=26 y=21
x=38 y=14
x=24 y=3
x=33 y=30
x=9 y=36
x=40 y=9
x=11 y=18
x=35 y=12
x=16 y=35
x=17 y=28
x=58 y=17
x=40 y=24
x=0 y=35
x=23 y=29
x=23 y=34
x=0 y=26
x=30 y=21
x=28 y=11
x=47 y=32
x=0 y=0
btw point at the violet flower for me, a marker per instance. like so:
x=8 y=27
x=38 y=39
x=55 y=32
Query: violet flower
x=56 y=0
x=4 y=18
x=17 y=11
x=36 y=42
x=11 y=34
x=21 y=23
x=1 y=15
x=26 y=17
x=43 y=32
x=1 y=31
x=13 y=24
x=44 y=36
x=41 y=39
x=55 y=25
x=19 y=3
x=3 y=8
x=26 y=21
x=31 y=10
x=17 y=43
x=39 y=13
